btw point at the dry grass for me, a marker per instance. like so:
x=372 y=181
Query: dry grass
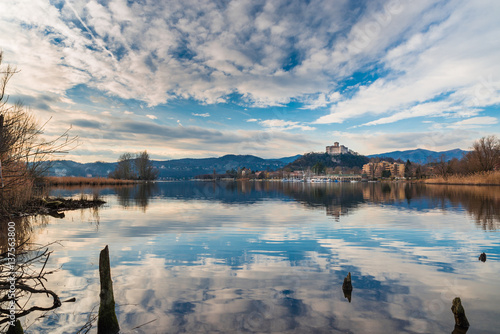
x=85 y=181
x=484 y=178
x=18 y=187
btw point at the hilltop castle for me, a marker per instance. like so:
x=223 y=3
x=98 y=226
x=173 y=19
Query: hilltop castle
x=336 y=149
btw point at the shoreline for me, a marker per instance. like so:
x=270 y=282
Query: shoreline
x=57 y=181
x=55 y=206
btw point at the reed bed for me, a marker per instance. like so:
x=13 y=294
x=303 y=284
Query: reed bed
x=482 y=178
x=85 y=181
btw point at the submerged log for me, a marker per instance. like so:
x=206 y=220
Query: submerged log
x=17 y=329
x=459 y=313
x=347 y=285
x=107 y=323
x=482 y=257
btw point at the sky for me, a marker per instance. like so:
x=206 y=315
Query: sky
x=272 y=78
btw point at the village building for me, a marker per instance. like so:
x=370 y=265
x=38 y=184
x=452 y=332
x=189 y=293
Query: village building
x=375 y=169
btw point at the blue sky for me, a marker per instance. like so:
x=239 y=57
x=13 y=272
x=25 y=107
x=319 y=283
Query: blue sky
x=199 y=78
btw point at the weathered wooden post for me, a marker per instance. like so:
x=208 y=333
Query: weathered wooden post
x=347 y=287
x=107 y=323
x=459 y=313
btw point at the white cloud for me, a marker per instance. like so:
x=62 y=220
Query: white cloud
x=475 y=122
x=156 y=51
x=280 y=124
x=429 y=109
x=252 y=120
x=434 y=64
x=320 y=101
x=244 y=48
x=105 y=138
x=151 y=117
x=201 y=115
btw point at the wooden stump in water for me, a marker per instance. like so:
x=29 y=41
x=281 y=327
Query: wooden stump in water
x=482 y=257
x=347 y=285
x=107 y=323
x=459 y=313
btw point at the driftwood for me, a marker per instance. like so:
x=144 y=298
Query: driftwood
x=107 y=323
x=29 y=282
x=482 y=257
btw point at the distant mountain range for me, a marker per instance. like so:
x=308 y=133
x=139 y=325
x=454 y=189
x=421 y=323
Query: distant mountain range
x=179 y=168
x=421 y=156
x=188 y=168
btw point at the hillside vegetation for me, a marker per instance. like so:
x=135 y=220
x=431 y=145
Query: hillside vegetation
x=309 y=160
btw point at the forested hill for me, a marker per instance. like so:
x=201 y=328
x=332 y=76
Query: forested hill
x=342 y=160
x=422 y=156
x=179 y=168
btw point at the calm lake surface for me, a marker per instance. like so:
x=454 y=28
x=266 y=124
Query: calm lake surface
x=202 y=257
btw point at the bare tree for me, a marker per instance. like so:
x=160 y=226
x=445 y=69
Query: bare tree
x=23 y=154
x=441 y=167
x=485 y=154
x=125 y=168
x=144 y=167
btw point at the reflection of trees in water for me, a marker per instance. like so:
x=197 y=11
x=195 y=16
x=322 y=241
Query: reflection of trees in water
x=24 y=230
x=28 y=270
x=124 y=195
x=386 y=193
x=144 y=191
x=481 y=202
x=137 y=195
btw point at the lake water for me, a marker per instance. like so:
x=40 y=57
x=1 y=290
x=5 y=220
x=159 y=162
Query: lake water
x=270 y=257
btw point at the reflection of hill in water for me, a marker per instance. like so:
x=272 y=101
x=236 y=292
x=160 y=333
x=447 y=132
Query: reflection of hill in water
x=338 y=199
